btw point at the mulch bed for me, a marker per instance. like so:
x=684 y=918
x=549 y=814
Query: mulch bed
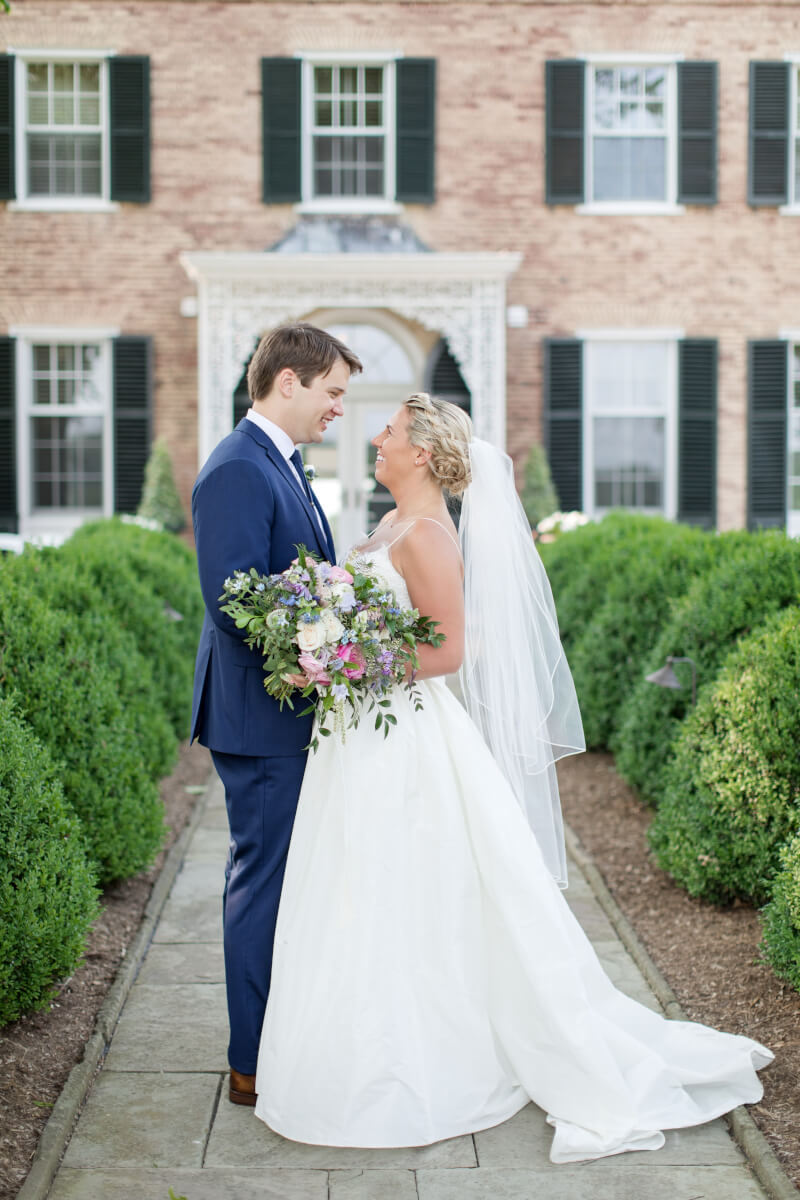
x=38 y=1052
x=710 y=956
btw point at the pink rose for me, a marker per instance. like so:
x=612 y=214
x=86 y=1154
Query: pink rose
x=355 y=656
x=339 y=575
x=315 y=672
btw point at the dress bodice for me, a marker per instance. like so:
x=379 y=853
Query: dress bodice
x=378 y=561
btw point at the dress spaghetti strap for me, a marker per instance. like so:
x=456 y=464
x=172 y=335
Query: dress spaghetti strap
x=412 y=521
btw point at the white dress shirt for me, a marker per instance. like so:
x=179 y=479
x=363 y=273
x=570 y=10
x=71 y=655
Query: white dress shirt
x=284 y=445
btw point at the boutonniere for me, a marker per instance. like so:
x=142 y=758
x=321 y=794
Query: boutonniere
x=310 y=473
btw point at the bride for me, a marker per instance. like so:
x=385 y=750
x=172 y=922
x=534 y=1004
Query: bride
x=429 y=979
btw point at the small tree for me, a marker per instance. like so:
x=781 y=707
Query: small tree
x=160 y=500
x=539 y=497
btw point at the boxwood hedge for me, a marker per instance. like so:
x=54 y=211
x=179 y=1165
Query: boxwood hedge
x=47 y=885
x=732 y=788
x=781 y=917
x=630 y=610
x=756 y=575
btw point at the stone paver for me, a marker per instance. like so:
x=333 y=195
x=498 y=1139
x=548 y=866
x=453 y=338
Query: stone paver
x=158 y=1115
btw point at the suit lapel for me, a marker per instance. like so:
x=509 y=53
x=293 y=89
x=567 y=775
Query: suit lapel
x=286 y=470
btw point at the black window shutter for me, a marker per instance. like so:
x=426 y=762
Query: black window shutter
x=563 y=387
x=697 y=432
x=133 y=388
x=9 y=520
x=697 y=132
x=416 y=129
x=281 y=129
x=766 y=456
x=768 y=157
x=564 y=84
x=129 y=88
x=7 y=182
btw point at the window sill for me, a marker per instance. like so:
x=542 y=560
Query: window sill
x=52 y=526
x=62 y=204
x=789 y=210
x=625 y=209
x=355 y=206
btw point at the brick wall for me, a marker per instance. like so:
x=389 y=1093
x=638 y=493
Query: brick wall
x=727 y=271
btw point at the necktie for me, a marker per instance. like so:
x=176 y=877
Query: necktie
x=297 y=462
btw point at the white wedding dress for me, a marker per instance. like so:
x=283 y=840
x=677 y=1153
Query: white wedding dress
x=429 y=977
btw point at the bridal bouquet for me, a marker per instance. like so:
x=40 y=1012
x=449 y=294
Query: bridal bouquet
x=333 y=634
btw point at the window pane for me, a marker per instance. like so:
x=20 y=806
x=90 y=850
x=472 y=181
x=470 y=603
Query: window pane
x=89 y=110
x=629 y=462
x=323 y=112
x=349 y=166
x=655 y=82
x=63 y=77
x=41 y=391
x=630 y=81
x=654 y=115
x=63 y=110
x=796 y=463
x=37 y=77
x=90 y=77
x=41 y=358
x=373 y=112
x=796 y=496
x=629 y=116
x=348 y=112
x=67 y=462
x=373 y=80
x=797 y=169
x=323 y=80
x=65 y=358
x=348 y=81
x=629 y=168
x=37 y=110
x=628 y=377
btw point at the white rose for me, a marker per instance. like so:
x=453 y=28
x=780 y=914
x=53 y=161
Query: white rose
x=332 y=626
x=310 y=635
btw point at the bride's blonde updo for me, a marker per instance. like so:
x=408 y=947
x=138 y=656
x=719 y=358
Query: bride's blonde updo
x=445 y=430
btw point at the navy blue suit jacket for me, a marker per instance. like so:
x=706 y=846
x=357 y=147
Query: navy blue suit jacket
x=248 y=510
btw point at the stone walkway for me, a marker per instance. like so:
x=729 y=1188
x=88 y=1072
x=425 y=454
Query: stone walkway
x=158 y=1117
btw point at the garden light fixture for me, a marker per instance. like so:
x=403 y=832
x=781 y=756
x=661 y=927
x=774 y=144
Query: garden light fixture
x=666 y=677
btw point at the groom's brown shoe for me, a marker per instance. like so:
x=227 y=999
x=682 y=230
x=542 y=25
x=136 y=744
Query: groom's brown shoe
x=242 y=1089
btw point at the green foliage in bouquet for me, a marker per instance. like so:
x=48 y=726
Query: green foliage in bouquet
x=160 y=500
x=732 y=788
x=539 y=496
x=781 y=944
x=757 y=574
x=166 y=569
x=607 y=660
x=47 y=893
x=65 y=692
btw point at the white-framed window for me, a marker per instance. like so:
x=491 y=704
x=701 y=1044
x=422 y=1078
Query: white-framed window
x=630 y=430
x=793 y=448
x=348 y=157
x=631 y=155
x=62 y=135
x=64 y=428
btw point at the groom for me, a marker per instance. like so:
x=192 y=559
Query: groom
x=251 y=506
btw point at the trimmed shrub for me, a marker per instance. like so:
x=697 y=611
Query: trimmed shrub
x=539 y=496
x=104 y=599
x=168 y=569
x=47 y=893
x=781 y=943
x=732 y=788
x=758 y=573
x=160 y=500
x=630 y=611
x=581 y=565
x=73 y=704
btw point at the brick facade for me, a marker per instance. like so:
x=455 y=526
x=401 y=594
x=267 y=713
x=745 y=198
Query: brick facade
x=727 y=271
